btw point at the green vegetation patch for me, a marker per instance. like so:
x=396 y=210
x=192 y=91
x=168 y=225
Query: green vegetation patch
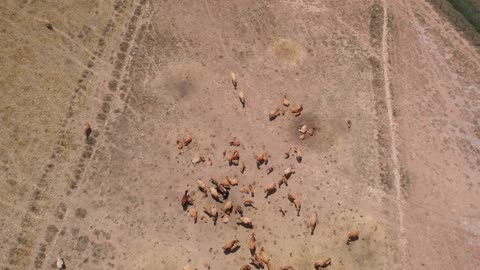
x=470 y=9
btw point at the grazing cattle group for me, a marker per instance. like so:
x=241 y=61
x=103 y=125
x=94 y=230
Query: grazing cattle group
x=220 y=191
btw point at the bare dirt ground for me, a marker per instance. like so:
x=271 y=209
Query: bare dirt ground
x=392 y=89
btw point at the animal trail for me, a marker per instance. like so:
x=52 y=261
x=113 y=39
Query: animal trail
x=23 y=250
x=101 y=117
x=393 y=144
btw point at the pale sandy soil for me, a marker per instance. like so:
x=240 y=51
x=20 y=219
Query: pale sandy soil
x=395 y=98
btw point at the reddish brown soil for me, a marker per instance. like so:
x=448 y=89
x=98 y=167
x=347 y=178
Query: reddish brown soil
x=394 y=98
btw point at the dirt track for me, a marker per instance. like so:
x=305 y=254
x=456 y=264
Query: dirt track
x=395 y=98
